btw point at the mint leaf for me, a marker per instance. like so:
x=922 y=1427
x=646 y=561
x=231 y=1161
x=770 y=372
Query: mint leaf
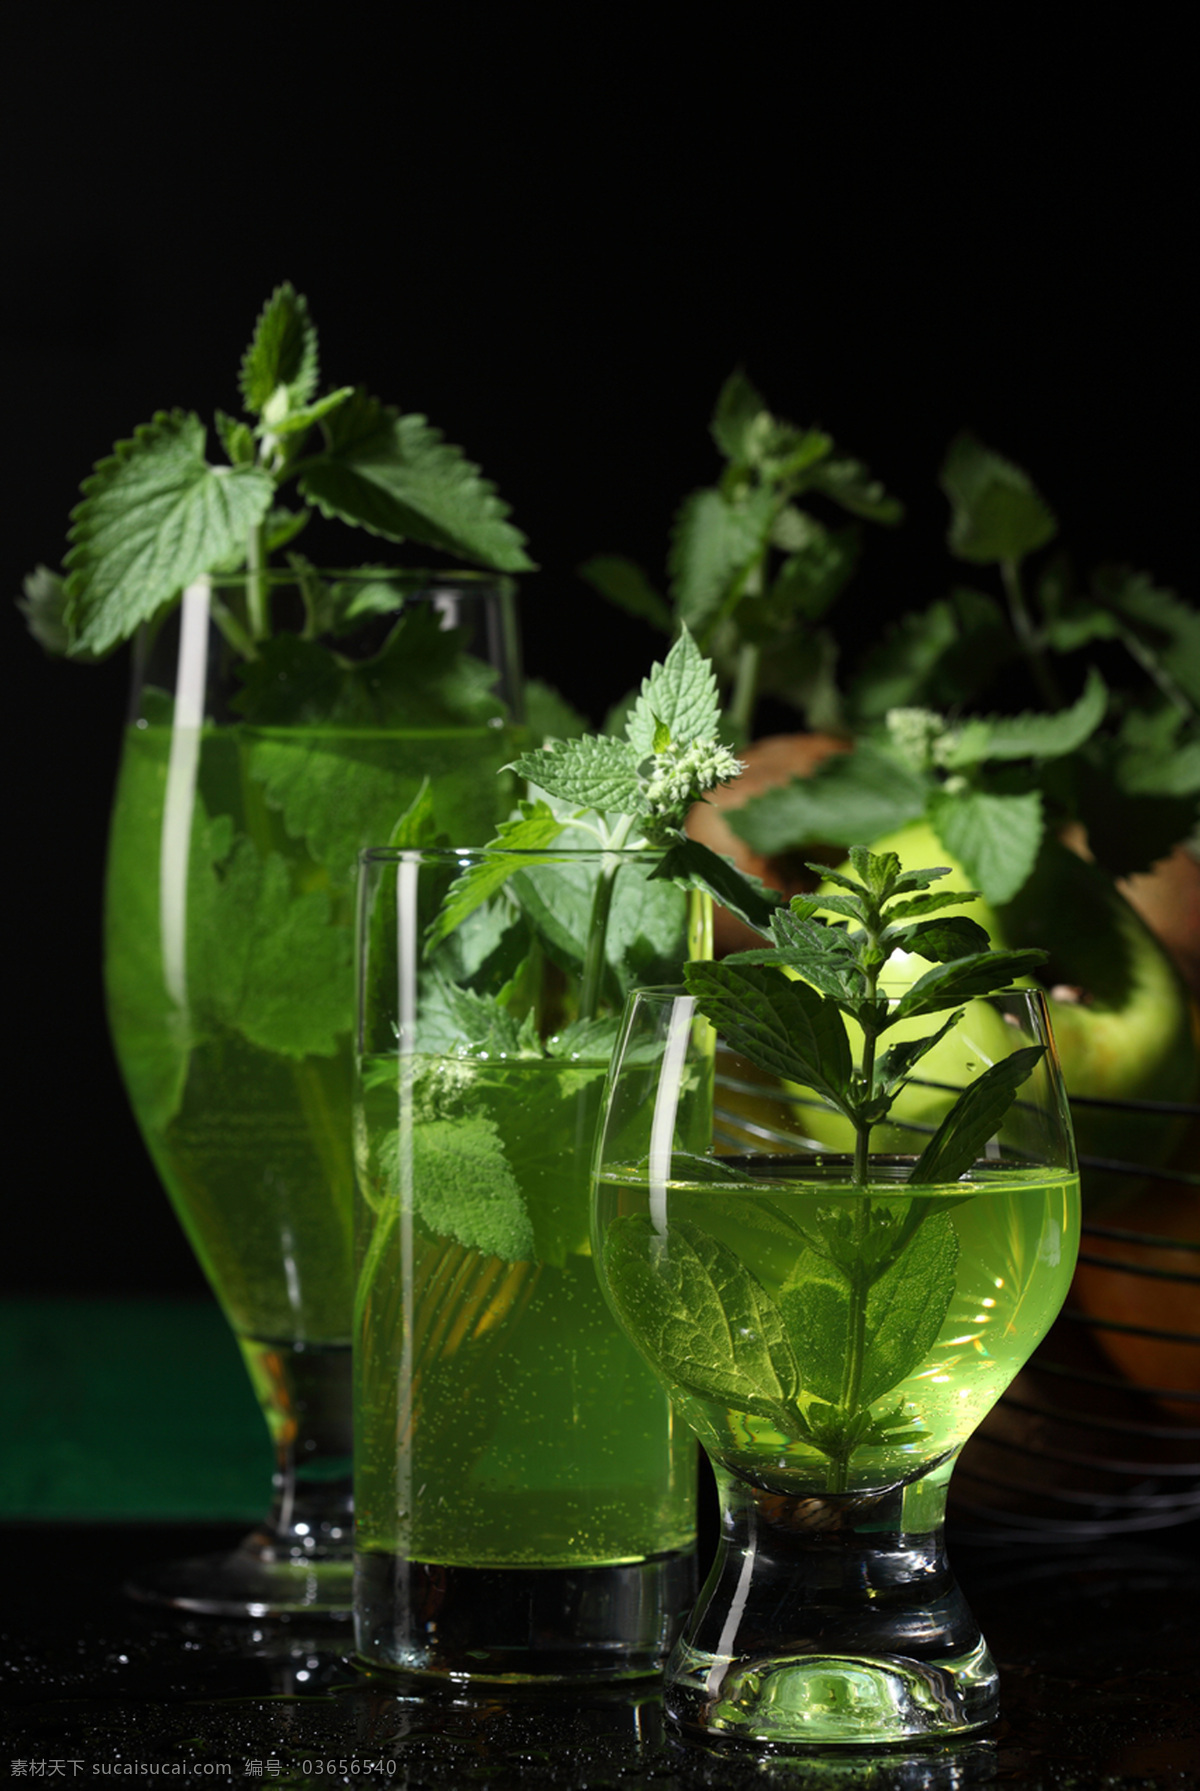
x=850 y=796
x=462 y=1185
x=283 y=352
x=900 y=1059
x=962 y=979
x=714 y=543
x=736 y=421
x=595 y=772
x=681 y=692
x=627 y=586
x=824 y=956
x=849 y=483
x=995 y=512
x=43 y=606
x=693 y=866
x=1162 y=633
x=782 y=1026
x=994 y=838
x=395 y=476
x=154 y=517
x=525 y=839
x=939 y=940
x=1035 y=735
x=974 y=1118
x=266 y=961
x=699 y=1316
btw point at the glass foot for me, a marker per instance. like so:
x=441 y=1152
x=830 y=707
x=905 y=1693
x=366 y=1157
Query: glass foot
x=256 y=1579
x=830 y=1621
x=514 y=1624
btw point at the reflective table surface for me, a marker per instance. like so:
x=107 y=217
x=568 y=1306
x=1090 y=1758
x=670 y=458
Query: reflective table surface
x=1097 y=1645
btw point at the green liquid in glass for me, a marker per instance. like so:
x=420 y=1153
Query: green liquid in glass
x=501 y=1419
x=228 y=933
x=757 y=1348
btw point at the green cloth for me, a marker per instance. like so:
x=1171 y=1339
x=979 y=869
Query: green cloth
x=127 y=1409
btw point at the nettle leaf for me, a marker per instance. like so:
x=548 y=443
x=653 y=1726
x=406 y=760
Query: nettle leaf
x=1167 y=632
x=395 y=476
x=995 y=838
x=739 y=408
x=695 y=866
x=962 y=979
x=154 y=516
x=849 y=483
x=296 y=422
x=265 y=960
x=850 y=796
x=44 y=605
x=813 y=575
x=956 y=936
x=1035 y=735
x=714 y=542
x=595 y=772
x=680 y=693
x=283 y=352
x=627 y=586
x=974 y=1118
x=455 y=1019
x=995 y=512
x=699 y=1316
x=236 y=437
x=525 y=839
x=785 y=1027
x=463 y=1186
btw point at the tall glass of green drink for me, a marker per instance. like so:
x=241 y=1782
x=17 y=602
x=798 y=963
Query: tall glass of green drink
x=833 y=1325
x=524 y=1495
x=252 y=774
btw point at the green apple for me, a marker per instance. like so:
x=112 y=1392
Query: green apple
x=1122 y=1018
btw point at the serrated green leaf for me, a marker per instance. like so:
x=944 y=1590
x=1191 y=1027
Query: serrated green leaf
x=849 y=483
x=463 y=1186
x=738 y=409
x=595 y=772
x=680 y=693
x=395 y=476
x=897 y=1063
x=417 y=826
x=812 y=577
x=694 y=866
x=850 y=796
x=699 y=1316
x=1162 y=632
x=994 y=838
x=1034 y=735
x=963 y=979
x=785 y=1027
x=626 y=585
x=955 y=936
x=822 y=955
x=974 y=1118
x=236 y=437
x=714 y=543
x=536 y=828
x=283 y=352
x=154 y=517
x=43 y=606
x=995 y=512
x=295 y=422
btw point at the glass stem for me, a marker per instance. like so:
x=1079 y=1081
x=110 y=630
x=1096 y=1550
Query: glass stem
x=305 y=1395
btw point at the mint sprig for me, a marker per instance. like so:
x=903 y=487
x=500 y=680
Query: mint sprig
x=157 y=513
x=785 y=1008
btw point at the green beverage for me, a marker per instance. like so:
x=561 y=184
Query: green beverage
x=819 y=1336
x=534 y=1434
x=230 y=990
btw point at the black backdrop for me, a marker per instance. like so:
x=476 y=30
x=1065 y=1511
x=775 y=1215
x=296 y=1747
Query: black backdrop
x=555 y=231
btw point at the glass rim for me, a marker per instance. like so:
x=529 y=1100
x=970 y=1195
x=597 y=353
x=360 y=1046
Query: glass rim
x=676 y=991
x=370 y=856
x=419 y=578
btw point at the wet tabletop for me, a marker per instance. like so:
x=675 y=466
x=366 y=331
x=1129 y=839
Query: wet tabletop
x=1097 y=1646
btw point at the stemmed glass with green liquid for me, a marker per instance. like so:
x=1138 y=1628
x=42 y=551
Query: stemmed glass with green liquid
x=835 y=1286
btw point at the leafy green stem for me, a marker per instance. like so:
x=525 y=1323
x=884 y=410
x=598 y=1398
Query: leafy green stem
x=594 y=953
x=1026 y=634
x=257 y=608
x=740 y=713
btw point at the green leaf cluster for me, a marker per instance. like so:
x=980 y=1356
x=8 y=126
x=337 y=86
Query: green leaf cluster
x=157 y=514
x=785 y=1007
x=752 y=573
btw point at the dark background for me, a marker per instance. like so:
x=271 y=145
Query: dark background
x=555 y=231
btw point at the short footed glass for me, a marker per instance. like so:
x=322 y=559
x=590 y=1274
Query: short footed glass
x=833 y=1345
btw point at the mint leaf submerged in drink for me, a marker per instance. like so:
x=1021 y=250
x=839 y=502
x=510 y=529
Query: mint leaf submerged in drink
x=863 y=1264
